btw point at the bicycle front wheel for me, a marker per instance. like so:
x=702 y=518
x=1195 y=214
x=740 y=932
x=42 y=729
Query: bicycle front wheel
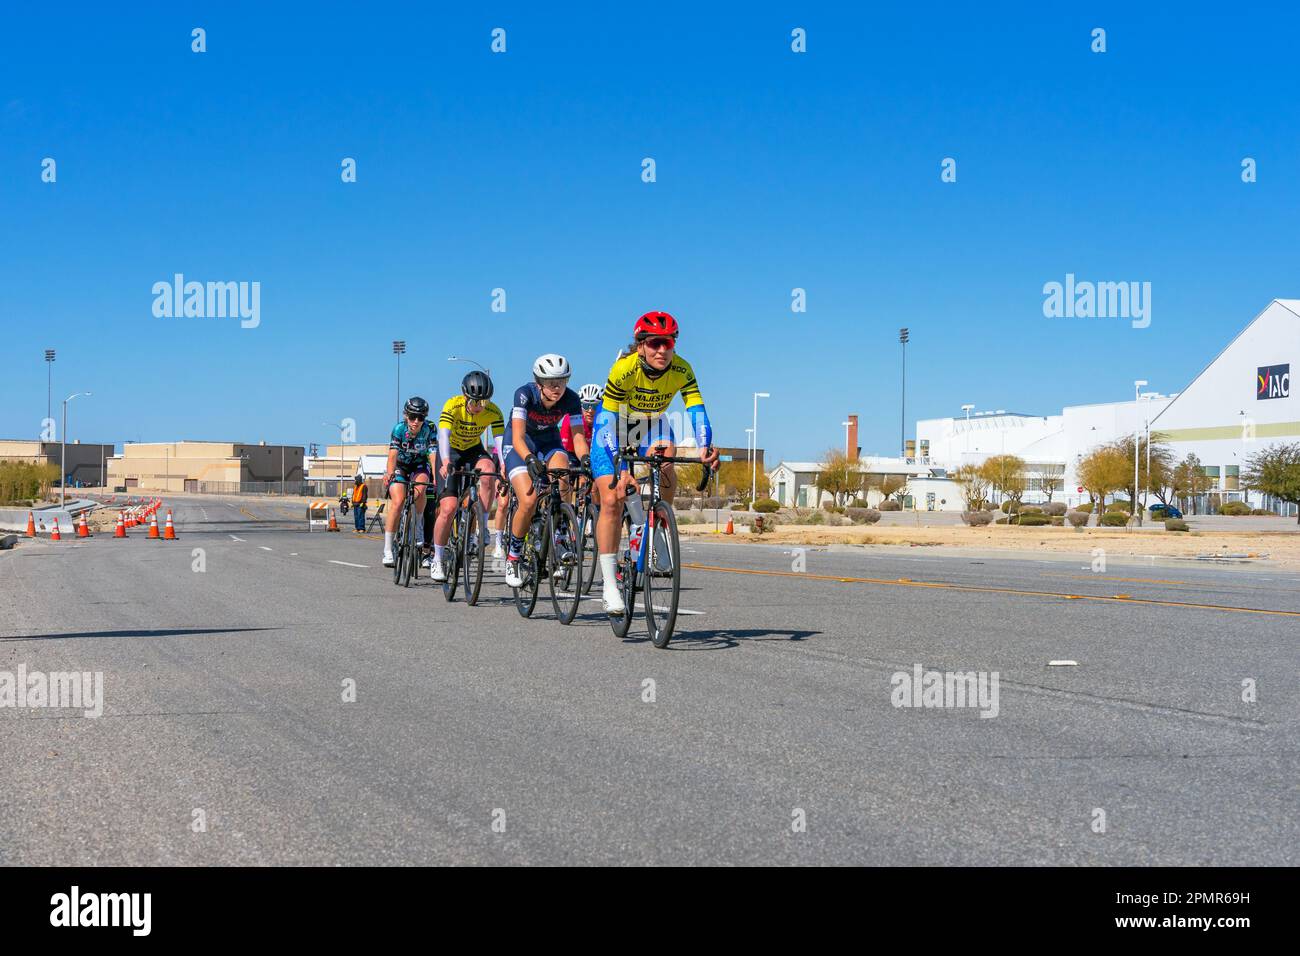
x=590 y=550
x=531 y=565
x=626 y=583
x=663 y=574
x=475 y=551
x=399 y=551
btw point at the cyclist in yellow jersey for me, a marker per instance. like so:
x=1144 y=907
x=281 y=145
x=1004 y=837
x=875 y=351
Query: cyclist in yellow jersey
x=464 y=419
x=641 y=386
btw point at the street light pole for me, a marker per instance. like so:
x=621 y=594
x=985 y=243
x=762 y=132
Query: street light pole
x=753 y=487
x=1137 y=442
x=63 y=451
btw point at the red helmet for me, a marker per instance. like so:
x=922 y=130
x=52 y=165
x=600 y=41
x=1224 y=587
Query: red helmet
x=655 y=323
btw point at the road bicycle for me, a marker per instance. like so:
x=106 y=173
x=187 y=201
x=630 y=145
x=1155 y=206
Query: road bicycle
x=467 y=546
x=552 y=534
x=406 y=567
x=651 y=562
x=588 y=512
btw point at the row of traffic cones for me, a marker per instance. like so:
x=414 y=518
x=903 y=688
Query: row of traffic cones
x=123 y=522
x=168 y=534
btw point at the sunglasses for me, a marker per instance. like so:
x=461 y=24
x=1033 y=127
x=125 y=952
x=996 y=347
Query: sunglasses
x=554 y=383
x=658 y=343
x=415 y=418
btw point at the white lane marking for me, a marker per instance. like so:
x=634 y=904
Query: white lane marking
x=349 y=564
x=234 y=538
x=264 y=547
x=293 y=554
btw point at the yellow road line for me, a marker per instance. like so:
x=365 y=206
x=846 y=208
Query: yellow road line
x=940 y=585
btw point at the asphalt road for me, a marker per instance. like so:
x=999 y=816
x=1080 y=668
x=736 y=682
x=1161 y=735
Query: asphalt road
x=479 y=737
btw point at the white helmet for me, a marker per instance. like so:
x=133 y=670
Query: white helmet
x=589 y=393
x=551 y=366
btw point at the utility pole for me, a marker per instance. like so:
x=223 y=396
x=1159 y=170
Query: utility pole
x=49 y=383
x=63 y=451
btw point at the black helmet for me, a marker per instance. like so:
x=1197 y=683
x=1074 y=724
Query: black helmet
x=415 y=405
x=477 y=386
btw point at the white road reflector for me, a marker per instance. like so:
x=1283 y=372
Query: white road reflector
x=1062 y=663
x=234 y=538
x=264 y=547
x=349 y=564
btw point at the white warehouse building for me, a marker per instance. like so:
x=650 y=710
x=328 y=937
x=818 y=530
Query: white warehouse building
x=1238 y=405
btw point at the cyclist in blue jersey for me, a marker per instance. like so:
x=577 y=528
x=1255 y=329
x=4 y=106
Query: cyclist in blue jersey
x=410 y=446
x=535 y=444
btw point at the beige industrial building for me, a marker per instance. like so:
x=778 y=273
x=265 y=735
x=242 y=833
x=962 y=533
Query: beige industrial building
x=85 y=463
x=207 y=466
x=342 y=460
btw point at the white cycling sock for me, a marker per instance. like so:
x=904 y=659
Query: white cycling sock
x=496 y=538
x=437 y=552
x=607 y=572
x=388 y=541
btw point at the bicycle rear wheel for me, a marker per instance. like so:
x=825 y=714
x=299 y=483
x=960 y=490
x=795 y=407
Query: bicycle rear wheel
x=591 y=551
x=563 y=534
x=475 y=550
x=626 y=583
x=531 y=564
x=662 y=587
x=451 y=555
x=412 y=572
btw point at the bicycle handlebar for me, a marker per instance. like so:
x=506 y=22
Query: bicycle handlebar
x=626 y=455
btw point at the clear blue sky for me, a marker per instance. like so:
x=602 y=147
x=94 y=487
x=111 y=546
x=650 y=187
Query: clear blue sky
x=522 y=171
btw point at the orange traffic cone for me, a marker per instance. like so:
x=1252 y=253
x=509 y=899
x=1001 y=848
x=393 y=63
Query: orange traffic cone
x=54 y=535
x=31 y=526
x=169 y=533
x=334 y=524
x=120 y=530
x=83 y=529
x=731 y=527
x=153 y=526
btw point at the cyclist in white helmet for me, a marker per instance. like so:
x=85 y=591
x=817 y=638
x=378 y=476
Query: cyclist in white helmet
x=535 y=444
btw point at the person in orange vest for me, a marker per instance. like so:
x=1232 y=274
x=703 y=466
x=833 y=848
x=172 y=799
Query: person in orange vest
x=360 y=495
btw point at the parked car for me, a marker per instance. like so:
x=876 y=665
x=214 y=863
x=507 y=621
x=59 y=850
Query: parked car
x=1160 y=512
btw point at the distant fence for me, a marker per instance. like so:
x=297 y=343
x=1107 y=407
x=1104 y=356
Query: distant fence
x=298 y=488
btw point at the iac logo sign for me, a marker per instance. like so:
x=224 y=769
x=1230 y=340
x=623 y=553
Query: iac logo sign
x=1273 y=381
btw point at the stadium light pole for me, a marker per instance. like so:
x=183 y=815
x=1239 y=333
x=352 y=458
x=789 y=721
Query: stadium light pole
x=753 y=487
x=63 y=451
x=903 y=336
x=399 y=348
x=1137 y=443
x=49 y=383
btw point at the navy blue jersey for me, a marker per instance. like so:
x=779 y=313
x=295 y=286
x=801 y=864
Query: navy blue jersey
x=542 y=424
x=413 y=449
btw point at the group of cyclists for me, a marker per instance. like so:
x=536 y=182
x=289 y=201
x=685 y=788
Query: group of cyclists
x=550 y=426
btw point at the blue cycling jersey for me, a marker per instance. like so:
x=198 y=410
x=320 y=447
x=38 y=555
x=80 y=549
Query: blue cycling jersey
x=413 y=449
x=542 y=424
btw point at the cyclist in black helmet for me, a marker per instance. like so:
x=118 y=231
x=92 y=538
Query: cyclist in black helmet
x=410 y=446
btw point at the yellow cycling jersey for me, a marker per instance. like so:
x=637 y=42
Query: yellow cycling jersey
x=630 y=391
x=466 y=429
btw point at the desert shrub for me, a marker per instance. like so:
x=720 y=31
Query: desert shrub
x=1176 y=524
x=1001 y=520
x=1010 y=506
x=715 y=502
x=812 y=517
x=22 y=482
x=766 y=506
x=1054 y=508
x=976 y=519
x=858 y=503
x=1120 y=506
x=1234 y=508
x=744 y=505
x=889 y=504
x=862 y=515
x=740 y=507
x=1058 y=521
x=1114 y=519
x=832 y=507
x=764 y=523
x=1077 y=519
x=682 y=504
x=1030 y=510
x=1034 y=520
x=1264 y=512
